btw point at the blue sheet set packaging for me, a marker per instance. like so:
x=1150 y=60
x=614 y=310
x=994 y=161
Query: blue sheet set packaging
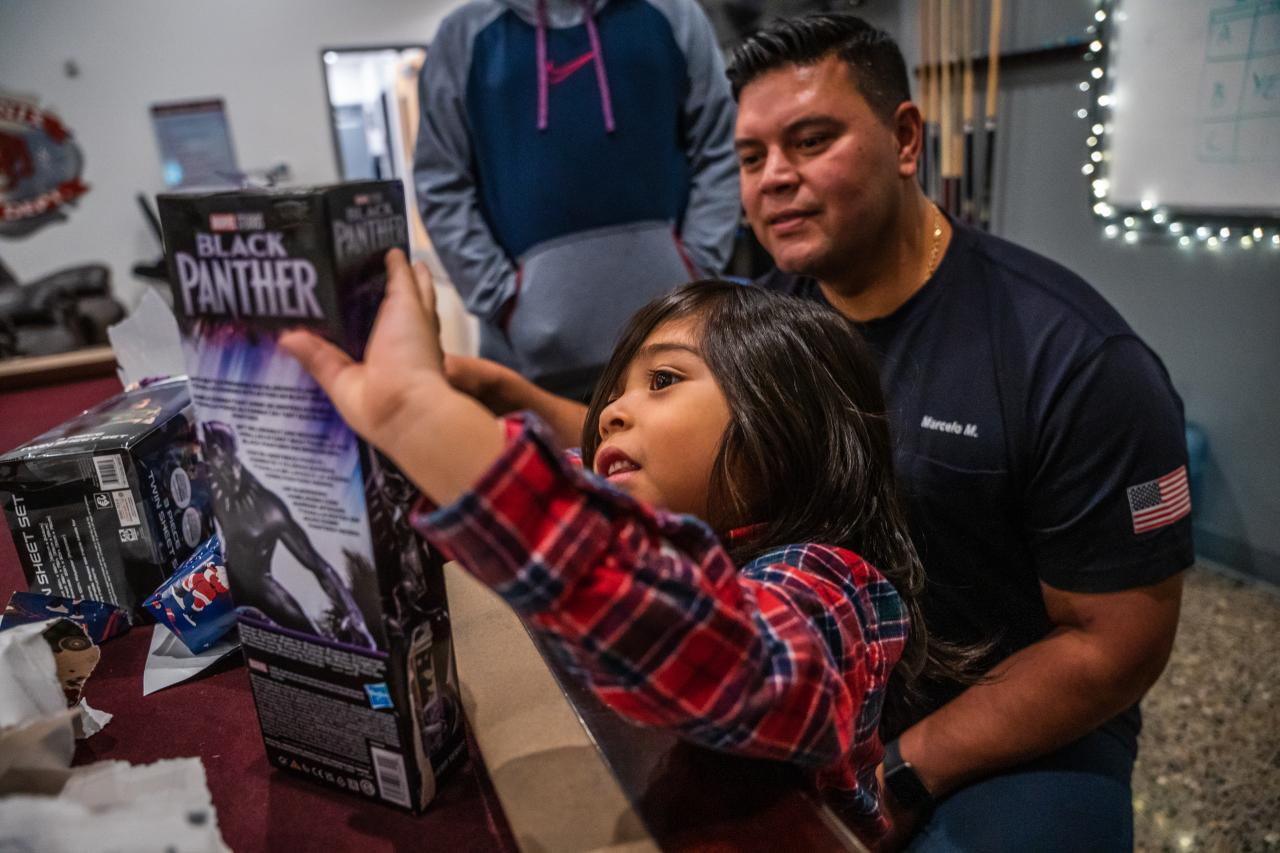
x=100 y=622
x=343 y=618
x=109 y=504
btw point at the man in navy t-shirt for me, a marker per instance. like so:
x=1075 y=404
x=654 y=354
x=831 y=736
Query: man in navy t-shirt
x=1040 y=446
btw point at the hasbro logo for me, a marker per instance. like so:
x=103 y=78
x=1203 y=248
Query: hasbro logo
x=379 y=696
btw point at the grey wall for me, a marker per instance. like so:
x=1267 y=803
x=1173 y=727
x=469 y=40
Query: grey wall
x=1213 y=316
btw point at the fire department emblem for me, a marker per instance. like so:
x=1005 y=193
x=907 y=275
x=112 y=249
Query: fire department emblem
x=40 y=168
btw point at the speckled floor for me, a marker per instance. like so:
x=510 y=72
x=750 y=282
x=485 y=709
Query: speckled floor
x=1208 y=772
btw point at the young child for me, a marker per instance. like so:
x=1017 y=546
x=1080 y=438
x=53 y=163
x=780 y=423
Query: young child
x=736 y=568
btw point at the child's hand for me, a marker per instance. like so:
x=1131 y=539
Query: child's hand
x=398 y=399
x=402 y=362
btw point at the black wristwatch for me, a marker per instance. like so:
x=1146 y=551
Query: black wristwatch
x=903 y=783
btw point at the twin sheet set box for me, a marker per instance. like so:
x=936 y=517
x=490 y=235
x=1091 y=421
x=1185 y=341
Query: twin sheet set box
x=344 y=621
x=109 y=504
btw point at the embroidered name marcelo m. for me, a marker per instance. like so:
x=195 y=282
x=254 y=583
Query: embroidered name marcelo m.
x=952 y=427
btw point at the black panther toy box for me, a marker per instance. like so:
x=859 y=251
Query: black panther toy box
x=343 y=616
x=106 y=505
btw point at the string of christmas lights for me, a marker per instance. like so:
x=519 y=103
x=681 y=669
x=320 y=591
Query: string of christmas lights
x=1151 y=220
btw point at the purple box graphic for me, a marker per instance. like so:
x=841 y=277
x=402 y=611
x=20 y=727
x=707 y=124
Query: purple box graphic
x=345 y=626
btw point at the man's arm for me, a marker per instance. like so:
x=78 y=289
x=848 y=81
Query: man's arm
x=712 y=213
x=1111 y=593
x=1105 y=652
x=504 y=391
x=446 y=186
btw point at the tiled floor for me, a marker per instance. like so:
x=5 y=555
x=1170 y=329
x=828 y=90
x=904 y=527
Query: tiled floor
x=1208 y=772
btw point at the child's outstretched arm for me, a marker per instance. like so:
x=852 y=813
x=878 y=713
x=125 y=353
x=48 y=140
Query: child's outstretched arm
x=786 y=659
x=398 y=398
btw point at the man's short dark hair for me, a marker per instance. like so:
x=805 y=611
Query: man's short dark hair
x=871 y=54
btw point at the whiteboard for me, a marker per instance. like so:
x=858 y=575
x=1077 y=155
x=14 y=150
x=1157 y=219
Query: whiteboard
x=1195 y=112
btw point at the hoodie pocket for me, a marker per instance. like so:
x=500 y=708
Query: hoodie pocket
x=576 y=293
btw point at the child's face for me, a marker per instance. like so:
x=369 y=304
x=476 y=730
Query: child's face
x=659 y=436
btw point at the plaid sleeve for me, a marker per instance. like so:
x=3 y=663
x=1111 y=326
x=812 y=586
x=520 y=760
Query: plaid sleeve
x=786 y=659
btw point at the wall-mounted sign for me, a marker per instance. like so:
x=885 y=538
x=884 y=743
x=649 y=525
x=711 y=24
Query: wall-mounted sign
x=40 y=167
x=1184 y=113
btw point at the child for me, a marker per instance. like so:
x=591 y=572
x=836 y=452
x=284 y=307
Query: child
x=709 y=577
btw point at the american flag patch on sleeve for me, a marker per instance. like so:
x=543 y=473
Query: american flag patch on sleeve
x=1160 y=502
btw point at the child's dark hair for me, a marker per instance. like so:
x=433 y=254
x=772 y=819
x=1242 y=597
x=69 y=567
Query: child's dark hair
x=872 y=56
x=807 y=455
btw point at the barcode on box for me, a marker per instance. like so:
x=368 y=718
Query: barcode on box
x=389 y=768
x=126 y=508
x=110 y=473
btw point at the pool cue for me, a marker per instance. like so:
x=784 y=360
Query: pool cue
x=993 y=82
x=967 y=177
x=931 y=121
x=944 y=116
x=935 y=99
x=957 y=125
x=926 y=107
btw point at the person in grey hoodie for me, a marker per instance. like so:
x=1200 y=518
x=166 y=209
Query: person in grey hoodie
x=573 y=161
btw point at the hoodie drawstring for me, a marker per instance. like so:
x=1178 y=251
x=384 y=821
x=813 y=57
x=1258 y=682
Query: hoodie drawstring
x=540 y=35
x=597 y=55
x=602 y=79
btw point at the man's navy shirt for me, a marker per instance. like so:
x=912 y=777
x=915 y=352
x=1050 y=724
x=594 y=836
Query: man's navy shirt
x=1025 y=412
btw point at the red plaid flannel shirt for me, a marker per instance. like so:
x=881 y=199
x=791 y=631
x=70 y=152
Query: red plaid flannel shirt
x=785 y=658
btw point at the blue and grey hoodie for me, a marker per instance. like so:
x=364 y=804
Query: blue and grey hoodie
x=574 y=160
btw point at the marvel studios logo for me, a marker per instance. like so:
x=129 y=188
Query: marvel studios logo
x=236 y=222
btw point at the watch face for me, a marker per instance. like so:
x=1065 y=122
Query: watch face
x=906 y=787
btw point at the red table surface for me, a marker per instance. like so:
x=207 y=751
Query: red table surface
x=213 y=717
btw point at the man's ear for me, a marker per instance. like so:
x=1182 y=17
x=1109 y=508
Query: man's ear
x=908 y=131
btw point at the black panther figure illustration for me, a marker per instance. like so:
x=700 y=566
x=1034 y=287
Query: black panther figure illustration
x=418 y=611
x=253 y=521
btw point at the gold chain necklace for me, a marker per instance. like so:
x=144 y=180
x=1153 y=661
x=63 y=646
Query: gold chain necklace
x=937 y=241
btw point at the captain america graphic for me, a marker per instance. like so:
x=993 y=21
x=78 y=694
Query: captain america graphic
x=198 y=590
